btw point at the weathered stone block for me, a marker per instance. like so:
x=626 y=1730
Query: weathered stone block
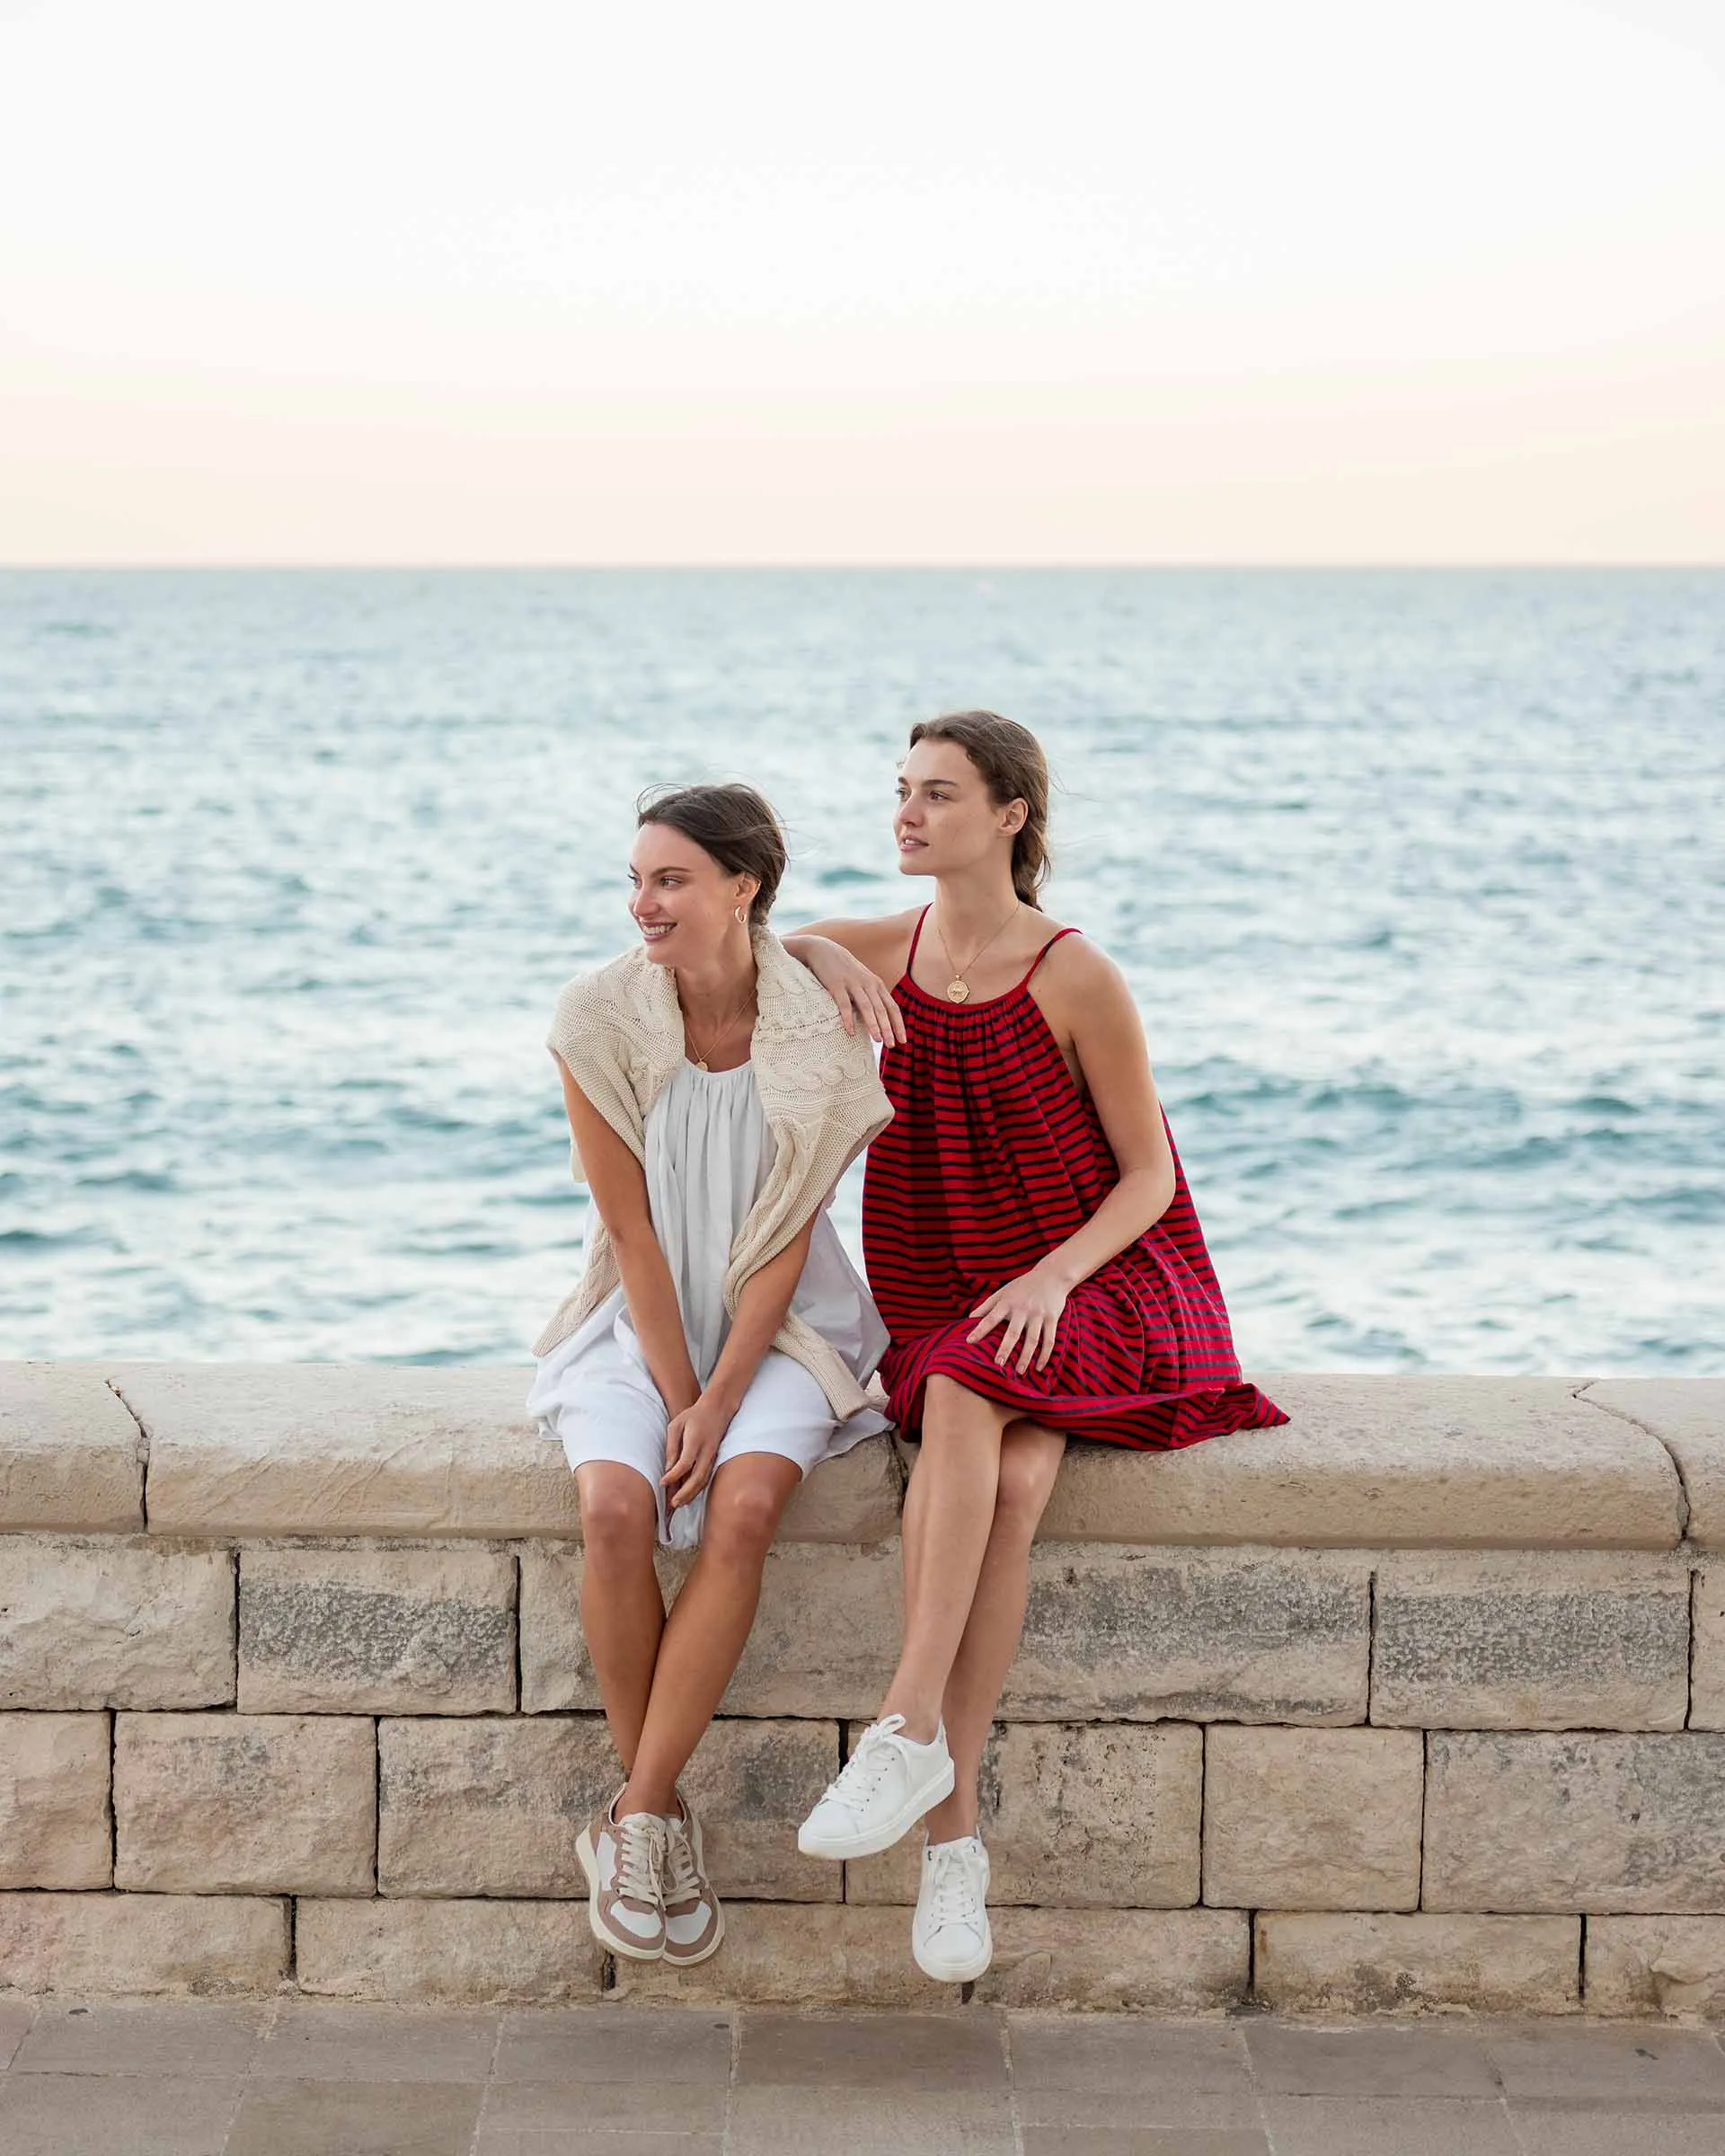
x=245 y=1803
x=1686 y=1415
x=824 y=1642
x=392 y=1449
x=56 y=1827
x=1378 y=1462
x=1707 y=1674
x=1149 y=1960
x=851 y=1499
x=95 y=1622
x=1245 y=1635
x=97 y=1945
x=71 y=1457
x=751 y=1782
x=1312 y=1819
x=488 y=1806
x=494 y=1806
x=1600 y=1824
x=335 y=1448
x=375 y=1630
x=1571 y=1640
x=1074 y=1815
x=1657 y=1965
x=1384 y=1964
x=473 y=1953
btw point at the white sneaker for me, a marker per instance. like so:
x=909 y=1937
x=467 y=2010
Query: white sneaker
x=882 y=1791
x=949 y=1934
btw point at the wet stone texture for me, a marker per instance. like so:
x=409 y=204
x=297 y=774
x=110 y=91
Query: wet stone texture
x=1602 y=1823
x=1074 y=1815
x=106 y=1622
x=373 y=1631
x=1581 y=1640
x=245 y=1803
x=1242 y=1635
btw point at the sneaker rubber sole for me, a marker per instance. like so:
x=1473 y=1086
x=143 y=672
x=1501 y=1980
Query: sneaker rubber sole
x=839 y=1848
x=958 y=1972
x=689 y=1961
x=631 y=1949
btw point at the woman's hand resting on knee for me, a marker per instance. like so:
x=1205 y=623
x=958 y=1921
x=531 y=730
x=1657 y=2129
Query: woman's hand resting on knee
x=692 y=1446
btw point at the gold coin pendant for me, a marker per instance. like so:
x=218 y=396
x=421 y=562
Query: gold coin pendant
x=957 y=991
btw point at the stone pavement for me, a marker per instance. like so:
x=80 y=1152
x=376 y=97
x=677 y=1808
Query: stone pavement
x=299 y=2077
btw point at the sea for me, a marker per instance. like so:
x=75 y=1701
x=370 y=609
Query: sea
x=1418 y=878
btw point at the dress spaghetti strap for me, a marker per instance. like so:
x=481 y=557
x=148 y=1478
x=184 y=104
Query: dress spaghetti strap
x=916 y=936
x=1045 y=949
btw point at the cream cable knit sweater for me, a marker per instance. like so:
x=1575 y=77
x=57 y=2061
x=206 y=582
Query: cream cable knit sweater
x=619 y=1032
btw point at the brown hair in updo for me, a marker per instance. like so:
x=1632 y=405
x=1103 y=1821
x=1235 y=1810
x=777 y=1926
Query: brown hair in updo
x=734 y=824
x=1013 y=768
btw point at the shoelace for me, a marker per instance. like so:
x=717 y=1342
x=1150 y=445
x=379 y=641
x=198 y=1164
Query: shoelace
x=682 y=1880
x=641 y=1857
x=955 y=1897
x=877 y=1746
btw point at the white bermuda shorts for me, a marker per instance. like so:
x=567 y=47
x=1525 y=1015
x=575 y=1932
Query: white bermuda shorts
x=613 y=1410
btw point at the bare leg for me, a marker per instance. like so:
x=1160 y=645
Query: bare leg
x=953 y=1487
x=622 y=1612
x=709 y=1622
x=1029 y=1460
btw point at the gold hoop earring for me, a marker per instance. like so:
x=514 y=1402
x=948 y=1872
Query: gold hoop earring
x=739 y=917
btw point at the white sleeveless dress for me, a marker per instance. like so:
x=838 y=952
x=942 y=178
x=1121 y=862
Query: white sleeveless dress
x=709 y=1151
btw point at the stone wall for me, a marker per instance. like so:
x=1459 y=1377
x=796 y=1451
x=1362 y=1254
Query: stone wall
x=1419 y=1702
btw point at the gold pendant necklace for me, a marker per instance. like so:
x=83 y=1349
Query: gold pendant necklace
x=957 y=989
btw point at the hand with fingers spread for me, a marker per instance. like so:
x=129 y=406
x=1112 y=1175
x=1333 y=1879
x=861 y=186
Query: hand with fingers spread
x=692 y=1446
x=1029 y=1309
x=857 y=992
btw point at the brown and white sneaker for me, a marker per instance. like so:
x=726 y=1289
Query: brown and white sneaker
x=624 y=1862
x=695 y=1923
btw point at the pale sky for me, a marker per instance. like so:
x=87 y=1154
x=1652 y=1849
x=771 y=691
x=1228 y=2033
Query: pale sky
x=1225 y=280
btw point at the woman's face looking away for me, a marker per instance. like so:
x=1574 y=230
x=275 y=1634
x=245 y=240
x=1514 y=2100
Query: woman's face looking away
x=945 y=819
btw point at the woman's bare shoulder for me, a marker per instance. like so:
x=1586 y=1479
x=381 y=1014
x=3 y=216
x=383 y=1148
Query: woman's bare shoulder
x=1077 y=972
x=881 y=944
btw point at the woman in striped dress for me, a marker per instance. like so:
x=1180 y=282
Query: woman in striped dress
x=1035 y=1253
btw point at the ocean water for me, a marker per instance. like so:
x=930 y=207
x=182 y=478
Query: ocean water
x=1418 y=878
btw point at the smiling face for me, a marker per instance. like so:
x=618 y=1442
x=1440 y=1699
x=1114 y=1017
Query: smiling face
x=685 y=904
x=946 y=820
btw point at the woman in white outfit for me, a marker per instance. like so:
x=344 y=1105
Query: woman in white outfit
x=718 y=1341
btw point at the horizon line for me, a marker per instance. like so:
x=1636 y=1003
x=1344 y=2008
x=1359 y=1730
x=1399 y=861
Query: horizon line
x=896 y=566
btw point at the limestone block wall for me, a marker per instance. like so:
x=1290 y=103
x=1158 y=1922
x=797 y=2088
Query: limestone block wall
x=1419 y=1702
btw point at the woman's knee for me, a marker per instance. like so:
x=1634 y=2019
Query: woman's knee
x=743 y=1515
x=619 y=1515
x=1028 y=1464
x=947 y=1405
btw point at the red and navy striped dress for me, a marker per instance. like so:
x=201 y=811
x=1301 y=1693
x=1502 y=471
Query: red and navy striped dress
x=993 y=1157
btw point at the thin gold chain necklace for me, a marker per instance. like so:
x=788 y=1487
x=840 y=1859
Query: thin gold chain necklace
x=718 y=1038
x=957 y=989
